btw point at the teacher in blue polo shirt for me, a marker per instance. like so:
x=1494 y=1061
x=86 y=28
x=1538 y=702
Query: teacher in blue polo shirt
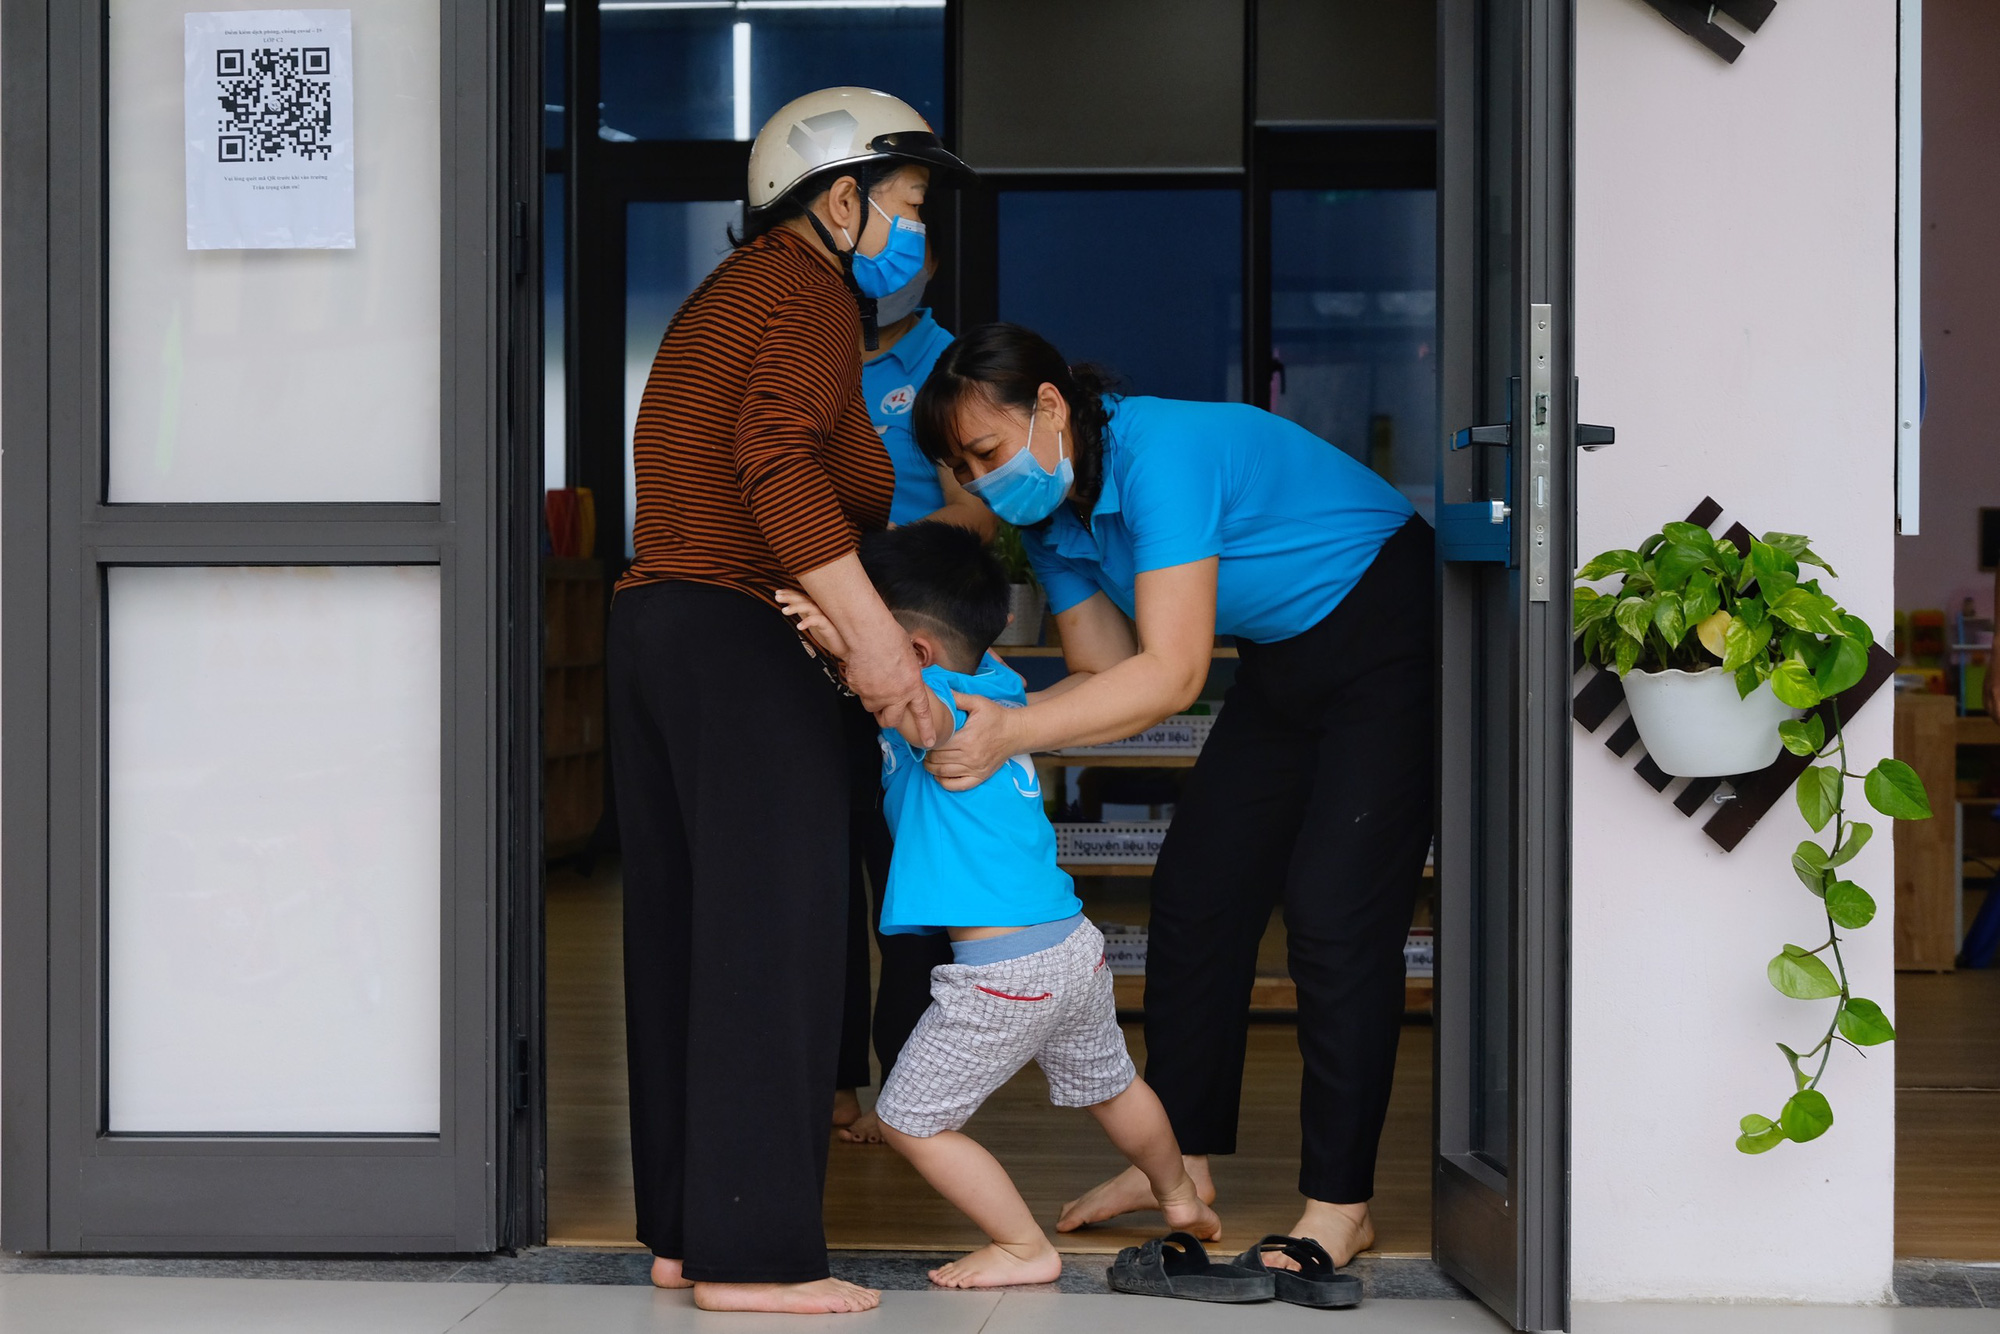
x=908 y=343
x=1155 y=525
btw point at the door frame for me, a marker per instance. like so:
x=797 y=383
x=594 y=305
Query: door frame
x=68 y=1185
x=1504 y=1232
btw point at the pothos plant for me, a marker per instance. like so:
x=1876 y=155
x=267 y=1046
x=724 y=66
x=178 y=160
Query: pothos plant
x=1689 y=600
x=1013 y=556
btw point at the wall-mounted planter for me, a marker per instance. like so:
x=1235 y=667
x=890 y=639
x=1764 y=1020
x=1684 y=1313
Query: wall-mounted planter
x=1695 y=725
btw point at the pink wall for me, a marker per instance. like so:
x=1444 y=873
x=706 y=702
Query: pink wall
x=1961 y=312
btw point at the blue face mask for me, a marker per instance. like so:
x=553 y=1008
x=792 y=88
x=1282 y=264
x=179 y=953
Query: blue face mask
x=1019 y=491
x=901 y=259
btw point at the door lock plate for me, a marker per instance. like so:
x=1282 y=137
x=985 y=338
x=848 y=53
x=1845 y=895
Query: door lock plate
x=1540 y=343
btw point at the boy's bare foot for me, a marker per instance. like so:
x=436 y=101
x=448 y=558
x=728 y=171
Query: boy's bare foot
x=1188 y=1212
x=1128 y=1192
x=667 y=1274
x=864 y=1129
x=1345 y=1230
x=997 y=1266
x=827 y=1296
x=846 y=1108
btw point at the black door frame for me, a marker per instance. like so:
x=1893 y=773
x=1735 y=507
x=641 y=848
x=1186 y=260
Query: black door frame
x=1506 y=155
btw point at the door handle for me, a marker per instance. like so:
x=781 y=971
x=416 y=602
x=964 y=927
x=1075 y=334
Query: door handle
x=1590 y=439
x=1479 y=530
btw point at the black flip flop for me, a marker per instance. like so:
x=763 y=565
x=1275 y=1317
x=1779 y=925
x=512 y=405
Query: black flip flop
x=1176 y=1266
x=1317 y=1282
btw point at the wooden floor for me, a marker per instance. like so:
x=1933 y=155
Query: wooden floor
x=1948 y=1115
x=874 y=1200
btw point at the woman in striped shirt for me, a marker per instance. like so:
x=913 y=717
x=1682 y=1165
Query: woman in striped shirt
x=757 y=469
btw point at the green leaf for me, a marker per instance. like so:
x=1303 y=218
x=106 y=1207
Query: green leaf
x=1728 y=558
x=1849 y=905
x=1774 y=571
x=1669 y=619
x=1742 y=642
x=1675 y=563
x=1819 y=795
x=1845 y=663
x=1801 y=975
x=1634 y=615
x=1894 y=789
x=1799 y=548
x=1792 y=1058
x=1748 y=678
x=1809 y=864
x=1793 y=684
x=1765 y=1136
x=1690 y=535
x=1626 y=653
x=1804 y=736
x=1701 y=598
x=1807 y=1116
x=1863 y=1023
x=1857 y=629
x=1858 y=835
x=1610 y=563
x=1805 y=610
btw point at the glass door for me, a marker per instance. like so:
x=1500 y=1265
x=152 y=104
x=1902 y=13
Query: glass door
x=1504 y=514
x=259 y=553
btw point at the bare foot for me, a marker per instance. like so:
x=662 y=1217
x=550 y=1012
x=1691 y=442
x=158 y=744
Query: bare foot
x=846 y=1108
x=864 y=1129
x=997 y=1266
x=827 y=1296
x=1128 y=1192
x=1345 y=1230
x=1187 y=1212
x=667 y=1274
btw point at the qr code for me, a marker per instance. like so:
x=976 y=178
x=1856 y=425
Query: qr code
x=276 y=102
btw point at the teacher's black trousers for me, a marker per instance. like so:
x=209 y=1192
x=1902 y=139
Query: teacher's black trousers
x=1314 y=792
x=732 y=787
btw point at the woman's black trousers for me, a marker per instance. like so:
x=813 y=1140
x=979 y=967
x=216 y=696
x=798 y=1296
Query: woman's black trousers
x=733 y=799
x=1314 y=792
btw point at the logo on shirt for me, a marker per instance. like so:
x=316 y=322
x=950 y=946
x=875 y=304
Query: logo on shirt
x=1027 y=766
x=897 y=401
x=888 y=756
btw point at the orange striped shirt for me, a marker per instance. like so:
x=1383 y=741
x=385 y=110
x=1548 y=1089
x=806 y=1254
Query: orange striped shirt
x=753 y=455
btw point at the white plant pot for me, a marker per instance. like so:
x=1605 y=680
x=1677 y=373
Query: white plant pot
x=1026 y=602
x=1696 y=726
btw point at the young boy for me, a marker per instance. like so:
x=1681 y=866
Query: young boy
x=1027 y=981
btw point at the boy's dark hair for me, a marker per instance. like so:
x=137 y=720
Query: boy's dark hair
x=944 y=577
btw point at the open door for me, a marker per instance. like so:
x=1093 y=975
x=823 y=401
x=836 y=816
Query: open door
x=263 y=533
x=1505 y=511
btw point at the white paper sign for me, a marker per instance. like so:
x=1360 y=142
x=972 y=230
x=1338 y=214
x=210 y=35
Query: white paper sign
x=270 y=130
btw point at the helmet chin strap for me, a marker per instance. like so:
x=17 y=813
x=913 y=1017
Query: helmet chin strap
x=864 y=304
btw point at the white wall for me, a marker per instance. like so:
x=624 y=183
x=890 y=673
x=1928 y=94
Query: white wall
x=1735 y=317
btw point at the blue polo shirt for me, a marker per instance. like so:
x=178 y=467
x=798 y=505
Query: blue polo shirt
x=1295 y=520
x=889 y=385
x=984 y=857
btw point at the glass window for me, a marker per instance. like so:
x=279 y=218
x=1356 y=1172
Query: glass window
x=669 y=249
x=1146 y=282
x=266 y=374
x=718 y=70
x=1354 y=326
x=273 y=799
x=555 y=399
x=555 y=74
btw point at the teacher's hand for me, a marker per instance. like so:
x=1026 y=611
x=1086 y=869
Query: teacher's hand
x=973 y=753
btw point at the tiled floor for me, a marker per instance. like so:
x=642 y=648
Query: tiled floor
x=100 y=1304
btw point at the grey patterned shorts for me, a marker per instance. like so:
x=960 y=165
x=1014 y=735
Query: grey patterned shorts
x=1054 y=1007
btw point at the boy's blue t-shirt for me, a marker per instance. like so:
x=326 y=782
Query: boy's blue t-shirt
x=889 y=386
x=984 y=857
x=1295 y=521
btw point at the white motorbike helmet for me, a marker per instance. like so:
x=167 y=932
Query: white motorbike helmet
x=840 y=127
